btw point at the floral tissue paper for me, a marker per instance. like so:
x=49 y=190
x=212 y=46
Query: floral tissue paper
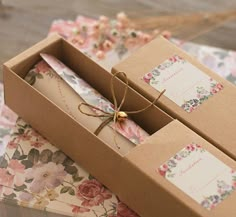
x=47 y=80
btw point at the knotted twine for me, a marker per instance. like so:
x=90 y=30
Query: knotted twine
x=117 y=115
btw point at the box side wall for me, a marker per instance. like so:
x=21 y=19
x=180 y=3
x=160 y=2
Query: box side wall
x=23 y=62
x=148 y=198
x=63 y=131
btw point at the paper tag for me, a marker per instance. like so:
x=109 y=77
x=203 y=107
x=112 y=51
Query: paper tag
x=185 y=84
x=200 y=175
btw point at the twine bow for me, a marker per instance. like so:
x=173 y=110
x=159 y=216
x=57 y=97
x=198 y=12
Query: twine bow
x=117 y=115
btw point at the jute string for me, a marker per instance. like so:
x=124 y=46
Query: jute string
x=117 y=115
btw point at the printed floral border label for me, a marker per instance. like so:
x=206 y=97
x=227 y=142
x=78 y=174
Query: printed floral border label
x=185 y=84
x=200 y=175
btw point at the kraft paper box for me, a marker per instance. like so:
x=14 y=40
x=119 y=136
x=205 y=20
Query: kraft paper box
x=195 y=95
x=175 y=172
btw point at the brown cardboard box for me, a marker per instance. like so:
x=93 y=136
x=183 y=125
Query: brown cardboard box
x=214 y=119
x=133 y=177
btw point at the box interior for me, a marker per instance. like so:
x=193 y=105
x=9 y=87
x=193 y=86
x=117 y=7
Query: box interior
x=91 y=72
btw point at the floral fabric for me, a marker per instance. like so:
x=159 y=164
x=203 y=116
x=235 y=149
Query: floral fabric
x=7 y=122
x=36 y=174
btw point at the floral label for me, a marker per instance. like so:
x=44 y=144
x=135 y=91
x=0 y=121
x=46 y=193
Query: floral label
x=185 y=84
x=200 y=175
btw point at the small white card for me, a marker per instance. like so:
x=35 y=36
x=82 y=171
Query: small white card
x=200 y=175
x=185 y=84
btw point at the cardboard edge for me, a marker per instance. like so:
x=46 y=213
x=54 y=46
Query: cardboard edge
x=32 y=50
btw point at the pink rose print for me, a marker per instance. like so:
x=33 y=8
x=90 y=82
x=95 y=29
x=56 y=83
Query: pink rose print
x=163 y=169
x=175 y=58
x=166 y=34
x=37 y=144
x=213 y=91
x=147 y=77
x=25 y=136
x=48 y=175
x=144 y=37
x=42 y=67
x=92 y=193
x=16 y=166
x=190 y=147
x=123 y=211
x=219 y=86
x=80 y=42
x=131 y=131
x=193 y=147
x=13 y=174
x=234 y=184
x=12 y=144
x=6 y=179
x=79 y=209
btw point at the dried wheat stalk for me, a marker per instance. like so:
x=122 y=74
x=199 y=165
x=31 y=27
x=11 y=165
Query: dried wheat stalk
x=186 y=26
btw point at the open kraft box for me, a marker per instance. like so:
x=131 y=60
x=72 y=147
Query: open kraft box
x=214 y=119
x=134 y=176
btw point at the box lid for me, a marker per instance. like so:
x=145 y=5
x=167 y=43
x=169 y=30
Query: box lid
x=214 y=117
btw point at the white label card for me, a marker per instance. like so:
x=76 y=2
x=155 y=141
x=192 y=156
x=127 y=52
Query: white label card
x=200 y=175
x=185 y=84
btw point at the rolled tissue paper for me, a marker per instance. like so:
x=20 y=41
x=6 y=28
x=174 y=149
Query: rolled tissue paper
x=67 y=90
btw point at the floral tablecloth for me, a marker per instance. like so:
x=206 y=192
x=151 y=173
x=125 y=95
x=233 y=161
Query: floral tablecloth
x=36 y=174
x=7 y=122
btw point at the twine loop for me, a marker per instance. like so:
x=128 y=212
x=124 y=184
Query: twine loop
x=117 y=115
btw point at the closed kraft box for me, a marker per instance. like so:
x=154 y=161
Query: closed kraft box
x=175 y=172
x=195 y=95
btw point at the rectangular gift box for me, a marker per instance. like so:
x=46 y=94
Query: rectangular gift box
x=195 y=95
x=175 y=172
